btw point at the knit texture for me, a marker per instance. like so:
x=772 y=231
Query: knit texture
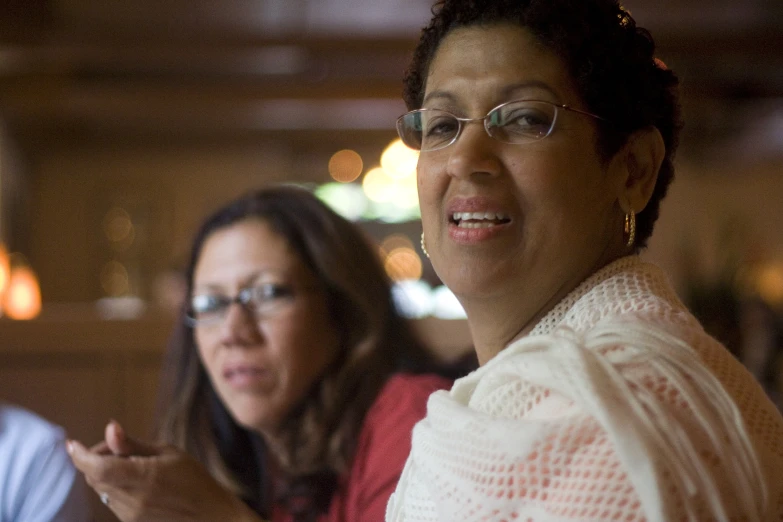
x=617 y=407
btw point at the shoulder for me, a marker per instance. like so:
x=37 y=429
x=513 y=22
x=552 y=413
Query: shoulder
x=408 y=391
x=402 y=401
x=38 y=477
x=20 y=428
x=414 y=384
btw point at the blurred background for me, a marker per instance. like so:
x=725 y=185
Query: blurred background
x=122 y=124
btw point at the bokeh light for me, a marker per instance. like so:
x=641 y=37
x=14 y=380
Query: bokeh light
x=22 y=299
x=393 y=242
x=445 y=304
x=378 y=186
x=114 y=279
x=403 y=263
x=399 y=161
x=389 y=191
x=348 y=200
x=345 y=166
x=413 y=298
x=5 y=269
x=769 y=283
x=117 y=224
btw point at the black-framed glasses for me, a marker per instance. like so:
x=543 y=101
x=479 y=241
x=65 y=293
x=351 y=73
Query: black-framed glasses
x=262 y=300
x=516 y=122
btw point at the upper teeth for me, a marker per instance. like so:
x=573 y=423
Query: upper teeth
x=460 y=216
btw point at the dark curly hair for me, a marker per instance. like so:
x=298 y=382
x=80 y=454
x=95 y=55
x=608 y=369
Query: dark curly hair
x=609 y=58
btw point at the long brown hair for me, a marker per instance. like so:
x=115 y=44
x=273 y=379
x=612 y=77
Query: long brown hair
x=320 y=436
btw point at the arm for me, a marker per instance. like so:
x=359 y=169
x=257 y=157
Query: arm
x=154 y=483
x=54 y=490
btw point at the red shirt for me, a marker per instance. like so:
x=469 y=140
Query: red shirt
x=384 y=444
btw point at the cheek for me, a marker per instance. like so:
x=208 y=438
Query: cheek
x=301 y=353
x=430 y=185
x=206 y=352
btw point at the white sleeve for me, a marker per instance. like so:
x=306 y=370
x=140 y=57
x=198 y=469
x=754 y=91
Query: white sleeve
x=52 y=490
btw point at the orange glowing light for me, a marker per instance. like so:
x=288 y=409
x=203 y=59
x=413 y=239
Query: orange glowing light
x=345 y=166
x=770 y=283
x=394 y=241
x=5 y=269
x=23 y=296
x=403 y=263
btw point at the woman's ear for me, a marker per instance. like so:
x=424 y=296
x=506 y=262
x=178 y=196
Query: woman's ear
x=641 y=159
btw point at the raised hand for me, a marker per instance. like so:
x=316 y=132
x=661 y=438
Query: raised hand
x=154 y=483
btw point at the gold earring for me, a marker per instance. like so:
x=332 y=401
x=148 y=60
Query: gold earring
x=629 y=227
x=424 y=246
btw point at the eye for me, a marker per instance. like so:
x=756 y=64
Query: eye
x=437 y=124
x=207 y=304
x=268 y=292
x=532 y=119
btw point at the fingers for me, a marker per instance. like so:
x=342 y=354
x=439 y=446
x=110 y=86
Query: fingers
x=107 y=475
x=101 y=449
x=103 y=468
x=91 y=464
x=115 y=439
x=124 y=446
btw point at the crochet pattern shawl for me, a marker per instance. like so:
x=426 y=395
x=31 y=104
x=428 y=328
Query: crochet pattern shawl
x=617 y=406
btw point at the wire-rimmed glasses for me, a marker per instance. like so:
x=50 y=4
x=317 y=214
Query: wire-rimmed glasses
x=516 y=121
x=262 y=300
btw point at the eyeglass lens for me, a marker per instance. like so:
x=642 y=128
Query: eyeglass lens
x=513 y=122
x=260 y=300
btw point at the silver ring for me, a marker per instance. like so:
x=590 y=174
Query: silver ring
x=105 y=498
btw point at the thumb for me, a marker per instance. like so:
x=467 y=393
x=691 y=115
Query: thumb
x=123 y=446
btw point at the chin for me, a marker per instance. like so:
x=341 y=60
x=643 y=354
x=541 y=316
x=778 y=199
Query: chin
x=470 y=280
x=253 y=420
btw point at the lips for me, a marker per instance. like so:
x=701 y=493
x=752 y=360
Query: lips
x=245 y=375
x=478 y=219
x=476 y=212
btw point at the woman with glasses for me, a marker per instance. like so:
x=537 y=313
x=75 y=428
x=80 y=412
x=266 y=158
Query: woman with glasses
x=292 y=382
x=546 y=131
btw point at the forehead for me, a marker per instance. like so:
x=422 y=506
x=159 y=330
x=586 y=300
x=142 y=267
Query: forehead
x=245 y=248
x=499 y=61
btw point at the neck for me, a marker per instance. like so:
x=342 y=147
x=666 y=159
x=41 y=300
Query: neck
x=496 y=321
x=494 y=327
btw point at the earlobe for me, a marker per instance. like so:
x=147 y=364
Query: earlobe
x=643 y=156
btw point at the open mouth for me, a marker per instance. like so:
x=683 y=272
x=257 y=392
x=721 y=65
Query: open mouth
x=478 y=219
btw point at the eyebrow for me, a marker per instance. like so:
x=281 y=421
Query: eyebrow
x=252 y=279
x=506 y=92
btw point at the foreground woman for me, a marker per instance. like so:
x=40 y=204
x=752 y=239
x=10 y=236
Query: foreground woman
x=547 y=130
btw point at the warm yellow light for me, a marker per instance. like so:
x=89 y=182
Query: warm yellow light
x=117 y=224
x=23 y=296
x=399 y=161
x=378 y=186
x=403 y=263
x=345 y=166
x=408 y=192
x=5 y=270
x=114 y=279
x=769 y=281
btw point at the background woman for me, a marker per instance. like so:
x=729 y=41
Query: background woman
x=291 y=378
x=547 y=130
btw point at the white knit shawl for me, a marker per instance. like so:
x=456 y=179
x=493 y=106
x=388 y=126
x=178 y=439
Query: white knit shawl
x=617 y=406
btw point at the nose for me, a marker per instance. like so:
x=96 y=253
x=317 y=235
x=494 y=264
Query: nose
x=474 y=153
x=239 y=327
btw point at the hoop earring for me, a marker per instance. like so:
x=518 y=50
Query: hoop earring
x=629 y=227
x=424 y=246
